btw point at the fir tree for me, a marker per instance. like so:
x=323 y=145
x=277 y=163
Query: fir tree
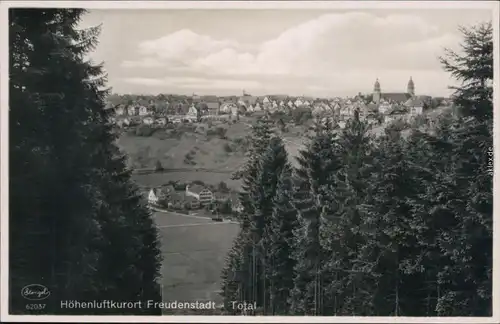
x=272 y=165
x=316 y=164
x=259 y=141
x=83 y=203
x=348 y=189
x=474 y=68
x=281 y=235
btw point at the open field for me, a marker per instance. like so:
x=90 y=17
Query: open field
x=171 y=146
x=157 y=179
x=208 y=152
x=193 y=256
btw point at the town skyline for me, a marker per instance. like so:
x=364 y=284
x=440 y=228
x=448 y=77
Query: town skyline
x=318 y=53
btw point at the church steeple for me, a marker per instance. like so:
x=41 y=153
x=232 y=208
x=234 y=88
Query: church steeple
x=376 y=87
x=376 y=92
x=411 y=87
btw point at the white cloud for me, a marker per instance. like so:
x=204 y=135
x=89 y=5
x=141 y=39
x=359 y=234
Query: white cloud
x=347 y=43
x=147 y=62
x=195 y=83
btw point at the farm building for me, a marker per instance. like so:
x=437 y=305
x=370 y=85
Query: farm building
x=204 y=195
x=155 y=195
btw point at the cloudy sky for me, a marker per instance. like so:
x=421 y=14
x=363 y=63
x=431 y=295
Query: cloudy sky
x=295 y=52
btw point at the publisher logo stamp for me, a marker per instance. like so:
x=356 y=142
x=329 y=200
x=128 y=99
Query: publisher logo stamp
x=35 y=292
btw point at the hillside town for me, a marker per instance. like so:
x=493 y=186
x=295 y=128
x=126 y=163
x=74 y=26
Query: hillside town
x=376 y=107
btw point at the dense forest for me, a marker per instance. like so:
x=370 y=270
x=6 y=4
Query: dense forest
x=78 y=224
x=398 y=225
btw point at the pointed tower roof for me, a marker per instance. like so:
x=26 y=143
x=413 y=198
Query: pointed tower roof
x=376 y=87
x=411 y=87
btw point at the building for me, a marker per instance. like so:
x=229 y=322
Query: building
x=120 y=111
x=148 y=121
x=155 y=196
x=143 y=111
x=394 y=97
x=202 y=194
x=193 y=112
x=213 y=107
x=247 y=100
x=132 y=111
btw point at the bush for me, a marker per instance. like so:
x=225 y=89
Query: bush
x=198 y=182
x=301 y=115
x=158 y=166
x=228 y=148
x=144 y=130
x=240 y=144
x=189 y=158
x=219 y=131
x=222 y=187
x=225 y=207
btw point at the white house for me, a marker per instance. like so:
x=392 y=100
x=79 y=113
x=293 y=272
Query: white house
x=298 y=102
x=148 y=121
x=257 y=107
x=203 y=195
x=266 y=100
x=384 y=108
x=155 y=195
x=226 y=107
x=124 y=122
x=192 y=112
x=143 y=111
x=132 y=111
x=235 y=111
x=119 y=111
x=416 y=106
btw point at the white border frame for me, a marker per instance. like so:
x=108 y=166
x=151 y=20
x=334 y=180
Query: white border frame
x=4 y=143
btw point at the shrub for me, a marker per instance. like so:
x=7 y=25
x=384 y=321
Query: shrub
x=228 y=148
x=189 y=158
x=225 y=207
x=144 y=130
x=158 y=166
x=218 y=131
x=304 y=117
x=240 y=144
x=222 y=187
x=198 y=182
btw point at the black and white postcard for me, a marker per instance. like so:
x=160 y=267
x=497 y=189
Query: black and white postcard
x=249 y=161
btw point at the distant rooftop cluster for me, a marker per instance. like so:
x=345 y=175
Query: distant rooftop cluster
x=162 y=108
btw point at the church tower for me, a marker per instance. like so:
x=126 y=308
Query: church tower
x=411 y=88
x=376 y=92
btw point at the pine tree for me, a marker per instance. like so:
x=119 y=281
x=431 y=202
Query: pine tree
x=235 y=273
x=255 y=229
x=316 y=165
x=348 y=189
x=272 y=165
x=82 y=202
x=281 y=235
x=259 y=140
x=474 y=68
x=468 y=278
